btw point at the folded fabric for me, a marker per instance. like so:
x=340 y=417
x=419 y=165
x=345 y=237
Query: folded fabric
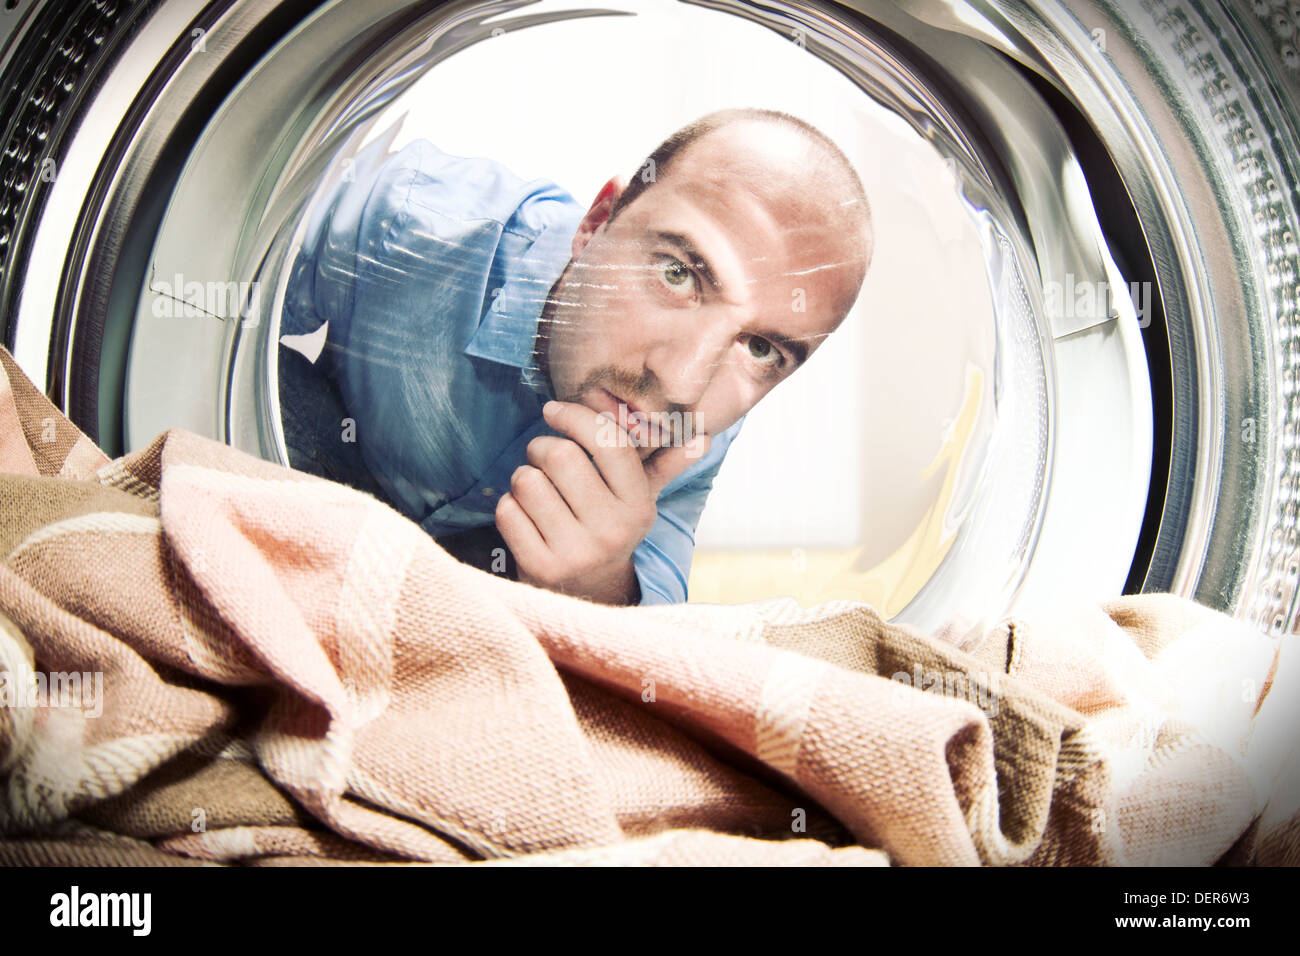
x=271 y=668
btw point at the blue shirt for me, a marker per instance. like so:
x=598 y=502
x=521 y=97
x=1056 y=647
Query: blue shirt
x=432 y=271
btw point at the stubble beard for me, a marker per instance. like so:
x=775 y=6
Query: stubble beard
x=606 y=377
x=541 y=357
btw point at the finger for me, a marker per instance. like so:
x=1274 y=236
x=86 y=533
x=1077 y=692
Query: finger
x=521 y=535
x=617 y=461
x=667 y=463
x=544 y=505
x=566 y=464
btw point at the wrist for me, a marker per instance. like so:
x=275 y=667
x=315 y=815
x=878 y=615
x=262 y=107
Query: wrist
x=620 y=587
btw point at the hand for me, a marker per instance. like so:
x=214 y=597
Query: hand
x=576 y=512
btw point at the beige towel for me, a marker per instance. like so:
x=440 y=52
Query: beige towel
x=277 y=669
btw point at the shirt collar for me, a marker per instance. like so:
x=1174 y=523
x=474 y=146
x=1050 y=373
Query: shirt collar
x=508 y=330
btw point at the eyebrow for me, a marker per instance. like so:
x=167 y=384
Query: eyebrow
x=796 y=347
x=688 y=249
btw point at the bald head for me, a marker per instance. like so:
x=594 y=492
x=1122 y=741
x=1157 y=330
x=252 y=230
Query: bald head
x=783 y=160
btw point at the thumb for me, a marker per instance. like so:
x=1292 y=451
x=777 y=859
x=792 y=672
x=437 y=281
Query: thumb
x=667 y=463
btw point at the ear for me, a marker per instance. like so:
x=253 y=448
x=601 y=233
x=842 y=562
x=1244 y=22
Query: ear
x=598 y=214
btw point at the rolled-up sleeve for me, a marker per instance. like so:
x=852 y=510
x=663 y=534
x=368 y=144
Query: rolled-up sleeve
x=662 y=561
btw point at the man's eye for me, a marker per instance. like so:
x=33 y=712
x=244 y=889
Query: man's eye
x=675 y=273
x=764 y=352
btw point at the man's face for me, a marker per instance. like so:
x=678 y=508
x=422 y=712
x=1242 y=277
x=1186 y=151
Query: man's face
x=704 y=293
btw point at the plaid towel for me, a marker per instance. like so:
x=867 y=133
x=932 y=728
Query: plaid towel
x=208 y=658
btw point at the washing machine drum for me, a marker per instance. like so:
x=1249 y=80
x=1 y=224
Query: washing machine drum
x=1069 y=370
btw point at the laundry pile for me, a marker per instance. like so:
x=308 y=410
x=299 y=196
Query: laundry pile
x=208 y=658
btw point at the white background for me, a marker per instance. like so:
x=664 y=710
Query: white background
x=832 y=458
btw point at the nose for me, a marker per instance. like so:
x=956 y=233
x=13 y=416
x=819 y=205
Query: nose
x=686 y=364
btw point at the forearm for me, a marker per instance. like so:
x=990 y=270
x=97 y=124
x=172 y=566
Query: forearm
x=616 y=585
x=619 y=587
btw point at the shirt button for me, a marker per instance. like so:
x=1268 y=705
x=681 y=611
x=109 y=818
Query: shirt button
x=489 y=492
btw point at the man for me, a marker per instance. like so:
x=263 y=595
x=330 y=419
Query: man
x=484 y=354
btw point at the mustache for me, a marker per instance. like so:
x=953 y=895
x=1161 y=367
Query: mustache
x=642 y=390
